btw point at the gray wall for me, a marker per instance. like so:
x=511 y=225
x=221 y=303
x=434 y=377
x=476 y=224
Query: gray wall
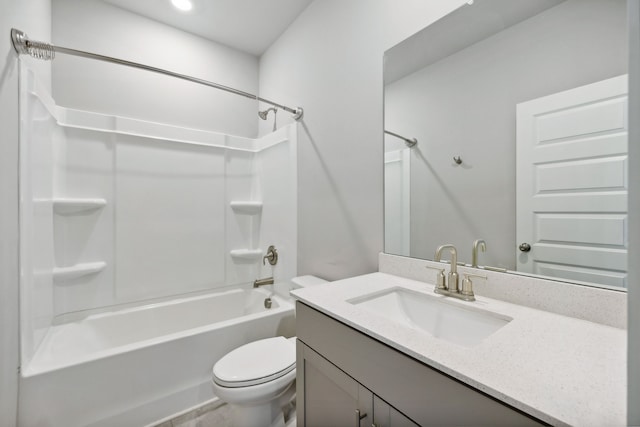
x=330 y=62
x=465 y=105
x=33 y=17
x=102 y=28
x=633 y=362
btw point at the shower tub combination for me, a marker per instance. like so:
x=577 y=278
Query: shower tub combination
x=93 y=354
x=116 y=328
x=137 y=365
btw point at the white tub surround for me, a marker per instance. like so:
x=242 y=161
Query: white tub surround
x=118 y=213
x=559 y=369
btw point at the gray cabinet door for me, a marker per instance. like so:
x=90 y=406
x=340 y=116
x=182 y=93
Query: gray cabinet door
x=327 y=397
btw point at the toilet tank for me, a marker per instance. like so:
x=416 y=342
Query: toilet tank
x=283 y=288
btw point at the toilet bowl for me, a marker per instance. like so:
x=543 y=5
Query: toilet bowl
x=257 y=381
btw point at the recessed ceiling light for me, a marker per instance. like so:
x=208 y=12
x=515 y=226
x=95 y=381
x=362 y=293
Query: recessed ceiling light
x=183 y=5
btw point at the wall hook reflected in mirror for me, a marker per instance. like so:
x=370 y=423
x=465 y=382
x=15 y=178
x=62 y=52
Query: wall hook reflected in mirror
x=457 y=159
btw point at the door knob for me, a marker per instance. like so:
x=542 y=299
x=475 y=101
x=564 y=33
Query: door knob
x=524 y=247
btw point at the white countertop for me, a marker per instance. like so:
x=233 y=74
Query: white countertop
x=559 y=369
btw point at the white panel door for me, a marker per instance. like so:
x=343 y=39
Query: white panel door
x=572 y=184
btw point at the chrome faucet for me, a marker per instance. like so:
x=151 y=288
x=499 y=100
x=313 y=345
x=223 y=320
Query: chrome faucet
x=451 y=284
x=262 y=282
x=474 y=252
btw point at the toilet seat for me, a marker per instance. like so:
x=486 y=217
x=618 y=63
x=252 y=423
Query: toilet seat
x=256 y=363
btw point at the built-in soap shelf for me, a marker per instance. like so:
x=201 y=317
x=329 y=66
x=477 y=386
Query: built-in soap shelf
x=65 y=274
x=246 y=207
x=71 y=206
x=246 y=254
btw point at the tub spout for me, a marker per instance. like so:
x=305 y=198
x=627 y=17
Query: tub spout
x=262 y=282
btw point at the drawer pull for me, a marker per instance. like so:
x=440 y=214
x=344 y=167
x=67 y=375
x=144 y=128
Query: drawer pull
x=359 y=417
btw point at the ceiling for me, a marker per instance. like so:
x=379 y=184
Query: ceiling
x=247 y=25
x=465 y=26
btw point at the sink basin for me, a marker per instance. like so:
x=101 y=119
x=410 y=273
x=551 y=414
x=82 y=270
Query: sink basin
x=436 y=316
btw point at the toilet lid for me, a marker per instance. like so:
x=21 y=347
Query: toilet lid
x=256 y=363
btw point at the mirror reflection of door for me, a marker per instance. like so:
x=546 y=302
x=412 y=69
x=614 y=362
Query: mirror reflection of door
x=572 y=183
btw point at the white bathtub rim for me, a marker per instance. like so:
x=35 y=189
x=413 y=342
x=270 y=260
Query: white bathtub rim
x=98 y=312
x=115 y=311
x=33 y=369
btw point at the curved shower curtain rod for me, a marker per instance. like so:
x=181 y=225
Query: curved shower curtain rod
x=408 y=142
x=40 y=50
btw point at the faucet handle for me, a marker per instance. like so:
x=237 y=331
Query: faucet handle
x=467 y=286
x=271 y=256
x=482 y=245
x=440 y=279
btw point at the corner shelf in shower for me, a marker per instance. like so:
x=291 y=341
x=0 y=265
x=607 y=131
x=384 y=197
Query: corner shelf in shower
x=69 y=206
x=246 y=207
x=64 y=274
x=246 y=254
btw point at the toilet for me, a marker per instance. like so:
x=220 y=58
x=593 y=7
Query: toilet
x=257 y=379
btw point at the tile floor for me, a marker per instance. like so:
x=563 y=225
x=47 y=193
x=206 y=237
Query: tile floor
x=215 y=414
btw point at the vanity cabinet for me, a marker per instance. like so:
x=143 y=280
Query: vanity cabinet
x=344 y=375
x=333 y=398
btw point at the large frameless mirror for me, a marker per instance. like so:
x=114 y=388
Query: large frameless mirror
x=519 y=110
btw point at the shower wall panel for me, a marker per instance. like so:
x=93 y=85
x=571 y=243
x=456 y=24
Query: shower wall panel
x=37 y=132
x=83 y=170
x=242 y=228
x=170 y=218
x=277 y=182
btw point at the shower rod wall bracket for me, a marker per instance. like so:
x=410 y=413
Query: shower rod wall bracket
x=41 y=50
x=18 y=39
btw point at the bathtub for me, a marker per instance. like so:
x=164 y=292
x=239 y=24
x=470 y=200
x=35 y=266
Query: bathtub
x=134 y=366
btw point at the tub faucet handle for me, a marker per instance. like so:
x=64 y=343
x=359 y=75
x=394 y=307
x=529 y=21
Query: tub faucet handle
x=271 y=256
